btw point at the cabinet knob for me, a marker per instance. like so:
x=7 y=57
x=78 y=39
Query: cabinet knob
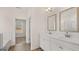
x=61 y=47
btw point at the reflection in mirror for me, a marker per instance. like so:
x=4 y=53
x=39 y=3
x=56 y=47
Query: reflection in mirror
x=68 y=21
x=51 y=23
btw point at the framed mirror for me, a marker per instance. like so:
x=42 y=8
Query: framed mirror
x=51 y=22
x=67 y=20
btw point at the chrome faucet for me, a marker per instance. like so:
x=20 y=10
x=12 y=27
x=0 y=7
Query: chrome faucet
x=50 y=32
x=67 y=35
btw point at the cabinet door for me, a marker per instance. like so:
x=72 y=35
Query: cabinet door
x=57 y=45
x=45 y=44
x=54 y=45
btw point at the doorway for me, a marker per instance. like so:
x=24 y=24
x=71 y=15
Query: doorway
x=20 y=36
x=20 y=31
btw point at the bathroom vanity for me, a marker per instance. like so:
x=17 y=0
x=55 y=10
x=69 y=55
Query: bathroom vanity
x=63 y=31
x=57 y=41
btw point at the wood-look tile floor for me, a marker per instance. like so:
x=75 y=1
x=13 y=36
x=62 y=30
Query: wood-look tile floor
x=21 y=45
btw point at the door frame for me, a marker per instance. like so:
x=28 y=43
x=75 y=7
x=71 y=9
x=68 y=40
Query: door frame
x=15 y=26
x=28 y=30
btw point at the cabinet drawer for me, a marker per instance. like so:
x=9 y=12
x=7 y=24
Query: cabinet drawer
x=57 y=45
x=71 y=46
x=67 y=46
x=63 y=47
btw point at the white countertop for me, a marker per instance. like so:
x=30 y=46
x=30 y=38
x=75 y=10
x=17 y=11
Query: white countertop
x=74 y=39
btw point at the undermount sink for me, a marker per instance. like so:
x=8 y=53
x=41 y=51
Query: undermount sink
x=67 y=36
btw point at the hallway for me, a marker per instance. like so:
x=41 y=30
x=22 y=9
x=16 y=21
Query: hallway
x=21 y=45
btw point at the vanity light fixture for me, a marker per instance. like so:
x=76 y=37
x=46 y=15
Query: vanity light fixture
x=49 y=9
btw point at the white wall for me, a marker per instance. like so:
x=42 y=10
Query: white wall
x=38 y=25
x=20 y=13
x=5 y=24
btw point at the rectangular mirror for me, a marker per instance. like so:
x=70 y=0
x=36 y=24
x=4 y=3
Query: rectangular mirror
x=51 y=23
x=68 y=20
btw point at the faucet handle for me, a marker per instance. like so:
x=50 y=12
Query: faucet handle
x=50 y=32
x=67 y=35
x=67 y=32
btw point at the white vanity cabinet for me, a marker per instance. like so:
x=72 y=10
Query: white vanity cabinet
x=45 y=43
x=57 y=43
